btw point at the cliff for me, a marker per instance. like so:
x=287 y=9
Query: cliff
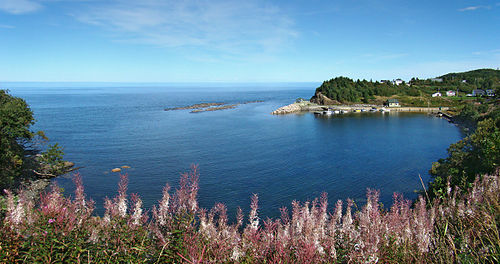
x=321 y=99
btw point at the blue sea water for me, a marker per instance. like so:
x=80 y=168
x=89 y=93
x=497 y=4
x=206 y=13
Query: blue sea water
x=239 y=151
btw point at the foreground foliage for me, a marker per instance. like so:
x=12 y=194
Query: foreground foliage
x=459 y=228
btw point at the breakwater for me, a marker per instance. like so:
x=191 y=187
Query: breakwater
x=312 y=107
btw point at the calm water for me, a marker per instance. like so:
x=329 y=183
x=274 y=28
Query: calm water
x=240 y=151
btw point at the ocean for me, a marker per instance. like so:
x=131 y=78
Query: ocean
x=239 y=152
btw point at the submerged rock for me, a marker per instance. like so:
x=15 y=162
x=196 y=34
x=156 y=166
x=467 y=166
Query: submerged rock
x=116 y=170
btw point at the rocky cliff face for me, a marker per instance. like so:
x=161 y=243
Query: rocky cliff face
x=321 y=99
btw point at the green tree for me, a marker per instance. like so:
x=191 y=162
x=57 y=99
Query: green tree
x=16 y=119
x=17 y=140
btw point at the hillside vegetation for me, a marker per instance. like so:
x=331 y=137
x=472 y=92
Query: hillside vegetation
x=414 y=93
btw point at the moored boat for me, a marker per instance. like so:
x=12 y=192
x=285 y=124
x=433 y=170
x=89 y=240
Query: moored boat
x=383 y=110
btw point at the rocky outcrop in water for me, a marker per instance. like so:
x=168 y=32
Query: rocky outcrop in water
x=232 y=106
x=206 y=107
x=195 y=106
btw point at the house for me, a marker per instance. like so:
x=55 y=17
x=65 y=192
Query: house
x=392 y=103
x=490 y=92
x=397 y=81
x=478 y=92
x=464 y=81
x=385 y=81
x=451 y=93
x=436 y=94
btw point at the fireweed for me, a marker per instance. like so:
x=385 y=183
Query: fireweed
x=460 y=228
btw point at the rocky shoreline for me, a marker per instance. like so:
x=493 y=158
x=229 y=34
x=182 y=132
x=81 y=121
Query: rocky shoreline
x=38 y=182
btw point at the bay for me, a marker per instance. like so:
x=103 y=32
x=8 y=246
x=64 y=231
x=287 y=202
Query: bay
x=239 y=151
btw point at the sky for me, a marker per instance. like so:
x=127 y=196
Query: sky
x=244 y=41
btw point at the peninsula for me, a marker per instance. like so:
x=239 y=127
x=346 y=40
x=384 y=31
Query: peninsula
x=446 y=92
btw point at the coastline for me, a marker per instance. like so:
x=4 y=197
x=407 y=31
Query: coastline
x=313 y=107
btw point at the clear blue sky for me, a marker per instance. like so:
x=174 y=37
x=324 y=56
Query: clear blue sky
x=244 y=41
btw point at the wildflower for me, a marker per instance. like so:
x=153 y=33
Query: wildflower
x=122 y=196
x=164 y=206
x=51 y=221
x=254 y=219
x=236 y=254
x=15 y=211
x=136 y=217
x=122 y=206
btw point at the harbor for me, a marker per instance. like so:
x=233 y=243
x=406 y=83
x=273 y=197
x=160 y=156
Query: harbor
x=356 y=108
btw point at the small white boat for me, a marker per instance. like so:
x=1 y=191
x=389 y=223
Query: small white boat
x=344 y=111
x=336 y=112
x=328 y=112
x=383 y=110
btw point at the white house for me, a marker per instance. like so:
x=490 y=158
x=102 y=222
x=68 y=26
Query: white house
x=451 y=93
x=397 y=81
x=436 y=94
x=392 y=103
